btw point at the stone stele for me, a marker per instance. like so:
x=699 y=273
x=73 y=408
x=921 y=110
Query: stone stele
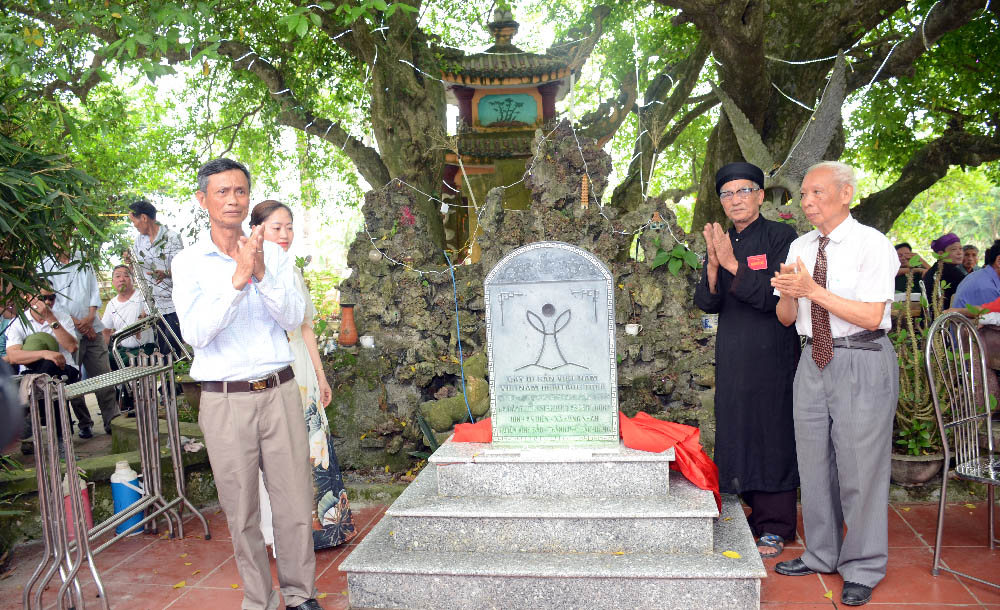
x=550 y=332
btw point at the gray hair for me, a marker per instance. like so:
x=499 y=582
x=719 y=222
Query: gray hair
x=843 y=174
x=217 y=166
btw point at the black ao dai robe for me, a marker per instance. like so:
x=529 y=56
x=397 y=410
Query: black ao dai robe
x=755 y=360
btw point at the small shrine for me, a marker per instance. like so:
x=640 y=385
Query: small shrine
x=503 y=95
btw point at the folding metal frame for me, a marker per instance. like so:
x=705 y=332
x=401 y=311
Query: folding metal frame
x=154 y=386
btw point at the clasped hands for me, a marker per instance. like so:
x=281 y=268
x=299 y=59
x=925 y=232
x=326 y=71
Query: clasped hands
x=249 y=258
x=794 y=281
x=720 y=248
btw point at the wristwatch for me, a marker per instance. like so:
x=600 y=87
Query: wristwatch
x=54 y=326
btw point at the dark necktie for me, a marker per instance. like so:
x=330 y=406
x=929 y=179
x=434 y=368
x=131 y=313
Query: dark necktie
x=822 y=339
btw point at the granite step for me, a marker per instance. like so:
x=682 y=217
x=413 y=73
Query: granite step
x=480 y=469
x=678 y=523
x=381 y=575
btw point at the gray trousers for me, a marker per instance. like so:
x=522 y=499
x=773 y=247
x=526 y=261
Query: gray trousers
x=92 y=354
x=843 y=436
x=247 y=432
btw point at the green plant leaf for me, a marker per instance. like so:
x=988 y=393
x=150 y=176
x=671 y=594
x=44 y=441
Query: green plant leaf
x=661 y=258
x=674 y=266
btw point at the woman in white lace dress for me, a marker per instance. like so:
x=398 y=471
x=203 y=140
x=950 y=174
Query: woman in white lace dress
x=333 y=523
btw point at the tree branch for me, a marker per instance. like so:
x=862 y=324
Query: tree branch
x=946 y=16
x=356 y=40
x=927 y=166
x=293 y=112
x=81 y=83
x=654 y=117
x=668 y=138
x=602 y=123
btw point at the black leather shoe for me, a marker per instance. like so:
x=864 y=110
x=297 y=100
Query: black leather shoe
x=309 y=604
x=86 y=432
x=855 y=594
x=794 y=567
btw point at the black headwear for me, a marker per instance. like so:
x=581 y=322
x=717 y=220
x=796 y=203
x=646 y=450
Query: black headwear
x=738 y=171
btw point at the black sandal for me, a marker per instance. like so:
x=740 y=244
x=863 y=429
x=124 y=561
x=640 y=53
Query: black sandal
x=772 y=541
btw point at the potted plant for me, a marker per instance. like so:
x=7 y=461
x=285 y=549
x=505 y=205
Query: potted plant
x=917 y=457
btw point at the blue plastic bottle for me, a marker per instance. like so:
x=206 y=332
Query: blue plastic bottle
x=126 y=491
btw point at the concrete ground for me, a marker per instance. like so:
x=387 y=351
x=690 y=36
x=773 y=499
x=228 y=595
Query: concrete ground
x=150 y=571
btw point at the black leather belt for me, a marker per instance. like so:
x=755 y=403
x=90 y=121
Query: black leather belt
x=864 y=340
x=254 y=385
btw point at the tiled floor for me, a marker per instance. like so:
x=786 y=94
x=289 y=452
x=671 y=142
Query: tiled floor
x=146 y=572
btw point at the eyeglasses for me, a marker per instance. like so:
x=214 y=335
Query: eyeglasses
x=741 y=193
x=51 y=298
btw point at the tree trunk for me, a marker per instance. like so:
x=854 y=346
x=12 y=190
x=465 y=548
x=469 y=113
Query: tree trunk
x=408 y=119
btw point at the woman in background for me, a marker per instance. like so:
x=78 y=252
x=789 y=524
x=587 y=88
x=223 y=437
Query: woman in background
x=332 y=520
x=950 y=266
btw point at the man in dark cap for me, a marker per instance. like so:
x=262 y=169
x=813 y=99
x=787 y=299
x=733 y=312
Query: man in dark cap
x=155 y=249
x=755 y=357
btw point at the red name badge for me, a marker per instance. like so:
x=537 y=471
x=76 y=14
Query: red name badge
x=757 y=262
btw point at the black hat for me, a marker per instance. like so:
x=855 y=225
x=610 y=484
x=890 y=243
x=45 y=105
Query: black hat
x=738 y=171
x=142 y=206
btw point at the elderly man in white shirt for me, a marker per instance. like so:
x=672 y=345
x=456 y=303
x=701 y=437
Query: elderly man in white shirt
x=79 y=296
x=236 y=298
x=837 y=288
x=121 y=311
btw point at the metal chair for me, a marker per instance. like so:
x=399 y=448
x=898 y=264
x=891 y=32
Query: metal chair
x=956 y=367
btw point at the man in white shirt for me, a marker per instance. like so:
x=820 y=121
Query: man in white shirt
x=236 y=298
x=156 y=246
x=121 y=311
x=837 y=288
x=79 y=296
x=42 y=317
x=125 y=309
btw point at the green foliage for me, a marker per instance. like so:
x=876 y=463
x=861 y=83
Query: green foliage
x=917 y=438
x=894 y=118
x=915 y=407
x=182 y=368
x=48 y=207
x=321 y=285
x=138 y=140
x=963 y=201
x=674 y=258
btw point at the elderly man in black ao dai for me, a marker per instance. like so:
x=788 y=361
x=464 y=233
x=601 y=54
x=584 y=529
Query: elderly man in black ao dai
x=755 y=358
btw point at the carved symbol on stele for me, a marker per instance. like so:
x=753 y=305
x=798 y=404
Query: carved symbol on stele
x=550 y=357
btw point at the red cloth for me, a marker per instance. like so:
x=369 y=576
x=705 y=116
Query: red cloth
x=479 y=432
x=993 y=306
x=645 y=433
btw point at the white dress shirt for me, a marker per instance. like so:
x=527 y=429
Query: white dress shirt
x=236 y=334
x=861 y=265
x=119 y=314
x=158 y=255
x=17 y=332
x=76 y=288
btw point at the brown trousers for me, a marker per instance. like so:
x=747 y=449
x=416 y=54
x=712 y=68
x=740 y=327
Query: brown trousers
x=244 y=432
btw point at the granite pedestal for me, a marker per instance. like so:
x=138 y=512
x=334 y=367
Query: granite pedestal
x=487 y=528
